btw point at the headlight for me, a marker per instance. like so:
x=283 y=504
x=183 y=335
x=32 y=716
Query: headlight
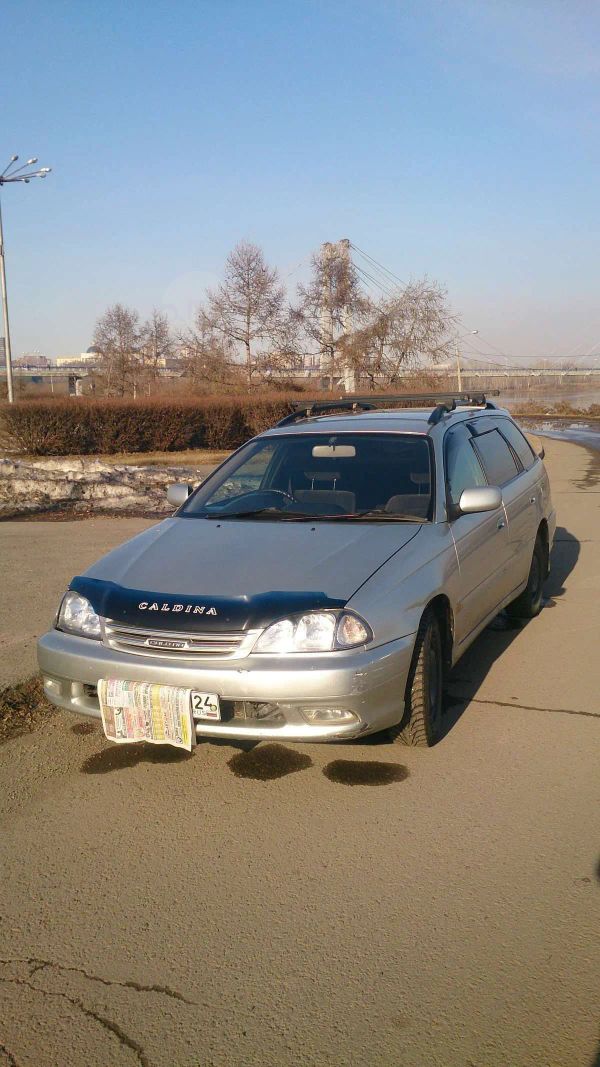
x=77 y=616
x=317 y=631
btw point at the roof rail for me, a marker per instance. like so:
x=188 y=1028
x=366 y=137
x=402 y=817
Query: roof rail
x=445 y=402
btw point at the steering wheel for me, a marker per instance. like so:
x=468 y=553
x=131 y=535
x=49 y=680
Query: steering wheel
x=255 y=498
x=280 y=492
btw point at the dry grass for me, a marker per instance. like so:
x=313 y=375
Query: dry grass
x=556 y=411
x=191 y=458
x=23 y=708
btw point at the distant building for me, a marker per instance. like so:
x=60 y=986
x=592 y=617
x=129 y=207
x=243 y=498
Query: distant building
x=31 y=361
x=84 y=359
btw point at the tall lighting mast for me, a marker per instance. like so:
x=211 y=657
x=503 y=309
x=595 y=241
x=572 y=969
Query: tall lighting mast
x=12 y=173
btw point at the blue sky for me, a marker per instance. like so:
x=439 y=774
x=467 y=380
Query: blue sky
x=453 y=138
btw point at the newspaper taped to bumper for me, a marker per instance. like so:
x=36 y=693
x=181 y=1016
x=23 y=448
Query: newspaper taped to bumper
x=146 y=711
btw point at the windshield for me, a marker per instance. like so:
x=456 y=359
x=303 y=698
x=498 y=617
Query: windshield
x=300 y=477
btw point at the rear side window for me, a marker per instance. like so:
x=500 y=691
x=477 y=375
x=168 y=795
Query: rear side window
x=519 y=442
x=463 y=469
x=497 y=458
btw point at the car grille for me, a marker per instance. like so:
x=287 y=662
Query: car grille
x=168 y=644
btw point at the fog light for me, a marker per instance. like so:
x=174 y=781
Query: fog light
x=338 y=716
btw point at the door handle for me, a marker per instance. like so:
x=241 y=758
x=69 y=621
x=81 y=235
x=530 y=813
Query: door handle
x=532 y=500
x=501 y=524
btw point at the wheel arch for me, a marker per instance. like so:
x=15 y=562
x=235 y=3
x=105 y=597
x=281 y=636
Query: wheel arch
x=442 y=609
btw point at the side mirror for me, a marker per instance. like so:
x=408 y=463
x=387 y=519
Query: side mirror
x=542 y=452
x=483 y=498
x=178 y=493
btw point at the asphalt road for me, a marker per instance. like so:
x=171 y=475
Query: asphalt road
x=37 y=562
x=159 y=909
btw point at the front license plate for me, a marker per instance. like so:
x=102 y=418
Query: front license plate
x=205 y=705
x=147 y=711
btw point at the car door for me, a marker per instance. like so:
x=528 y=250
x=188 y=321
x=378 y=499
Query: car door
x=524 y=498
x=481 y=541
x=504 y=468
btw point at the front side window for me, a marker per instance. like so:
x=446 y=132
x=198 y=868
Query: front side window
x=316 y=476
x=463 y=469
x=497 y=458
x=249 y=475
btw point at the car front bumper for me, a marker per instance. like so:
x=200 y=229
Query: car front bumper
x=370 y=683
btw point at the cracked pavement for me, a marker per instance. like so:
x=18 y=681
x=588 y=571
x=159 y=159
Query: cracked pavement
x=120 y=1046
x=159 y=909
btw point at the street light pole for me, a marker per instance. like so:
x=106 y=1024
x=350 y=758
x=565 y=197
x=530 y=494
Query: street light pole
x=12 y=174
x=7 y=351
x=458 y=366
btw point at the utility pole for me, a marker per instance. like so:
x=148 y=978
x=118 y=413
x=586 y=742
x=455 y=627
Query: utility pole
x=7 y=349
x=12 y=174
x=458 y=366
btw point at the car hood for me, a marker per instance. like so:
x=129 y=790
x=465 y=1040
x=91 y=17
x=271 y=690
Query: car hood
x=242 y=569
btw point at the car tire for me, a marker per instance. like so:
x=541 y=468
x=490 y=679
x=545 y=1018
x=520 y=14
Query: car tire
x=421 y=722
x=529 y=603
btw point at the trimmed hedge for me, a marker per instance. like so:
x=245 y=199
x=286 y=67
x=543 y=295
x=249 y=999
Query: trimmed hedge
x=83 y=427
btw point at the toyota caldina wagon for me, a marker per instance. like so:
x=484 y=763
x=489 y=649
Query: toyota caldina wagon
x=318 y=585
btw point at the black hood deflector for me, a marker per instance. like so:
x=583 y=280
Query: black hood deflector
x=195 y=614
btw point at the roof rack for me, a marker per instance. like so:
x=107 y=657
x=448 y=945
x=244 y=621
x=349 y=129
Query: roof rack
x=306 y=409
x=445 y=402
x=472 y=400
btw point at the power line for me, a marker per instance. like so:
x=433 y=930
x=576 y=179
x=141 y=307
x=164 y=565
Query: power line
x=376 y=263
x=388 y=274
x=478 y=357
x=390 y=278
x=591 y=354
x=373 y=281
x=483 y=339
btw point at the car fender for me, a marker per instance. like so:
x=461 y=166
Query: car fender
x=393 y=599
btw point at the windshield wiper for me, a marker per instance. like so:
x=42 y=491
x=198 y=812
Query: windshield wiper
x=373 y=514
x=253 y=513
x=237 y=514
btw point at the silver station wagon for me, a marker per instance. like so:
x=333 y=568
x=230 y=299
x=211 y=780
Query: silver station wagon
x=317 y=586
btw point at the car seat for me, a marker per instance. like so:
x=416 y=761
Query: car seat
x=408 y=504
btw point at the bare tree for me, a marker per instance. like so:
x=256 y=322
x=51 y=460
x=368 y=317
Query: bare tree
x=207 y=356
x=117 y=336
x=248 y=307
x=156 y=344
x=403 y=332
x=331 y=306
x=284 y=357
